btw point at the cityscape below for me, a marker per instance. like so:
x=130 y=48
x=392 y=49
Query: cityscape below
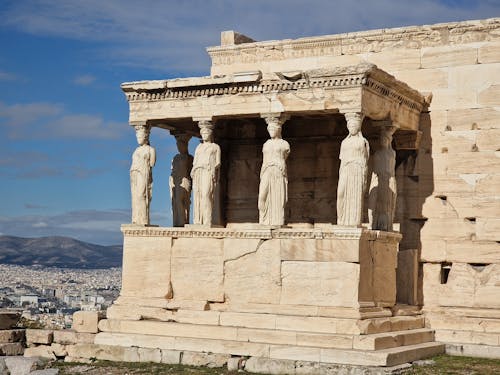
x=49 y=295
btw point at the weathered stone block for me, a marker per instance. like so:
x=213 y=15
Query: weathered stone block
x=204 y=359
x=489 y=53
x=44 y=351
x=86 y=321
x=198 y=262
x=21 y=365
x=263 y=283
x=12 y=335
x=320 y=283
x=488 y=229
x=171 y=357
x=39 y=336
x=436 y=57
x=424 y=79
x=269 y=366
x=11 y=348
x=149 y=355
x=146 y=266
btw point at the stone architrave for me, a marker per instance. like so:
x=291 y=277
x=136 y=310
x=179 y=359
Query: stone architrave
x=180 y=181
x=141 y=176
x=383 y=192
x=273 y=187
x=205 y=175
x=354 y=153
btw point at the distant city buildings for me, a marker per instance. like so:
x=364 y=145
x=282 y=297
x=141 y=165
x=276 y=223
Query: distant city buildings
x=49 y=296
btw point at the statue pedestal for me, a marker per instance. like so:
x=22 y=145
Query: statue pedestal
x=323 y=295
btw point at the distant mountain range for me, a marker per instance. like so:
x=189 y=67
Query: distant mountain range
x=61 y=252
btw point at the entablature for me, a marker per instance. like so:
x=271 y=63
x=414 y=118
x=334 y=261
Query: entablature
x=359 y=88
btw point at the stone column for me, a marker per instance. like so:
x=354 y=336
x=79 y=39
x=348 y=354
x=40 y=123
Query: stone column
x=273 y=187
x=141 y=176
x=180 y=180
x=383 y=190
x=205 y=175
x=354 y=153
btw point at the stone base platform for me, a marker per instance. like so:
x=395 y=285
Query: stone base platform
x=320 y=295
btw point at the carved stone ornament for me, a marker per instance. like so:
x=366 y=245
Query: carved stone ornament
x=180 y=181
x=354 y=153
x=141 y=176
x=205 y=175
x=273 y=187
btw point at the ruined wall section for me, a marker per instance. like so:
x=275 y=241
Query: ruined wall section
x=453 y=187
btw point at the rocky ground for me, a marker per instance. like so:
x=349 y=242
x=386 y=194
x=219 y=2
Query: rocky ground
x=437 y=366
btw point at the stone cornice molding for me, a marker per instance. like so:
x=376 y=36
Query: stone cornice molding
x=338 y=232
x=411 y=37
x=365 y=76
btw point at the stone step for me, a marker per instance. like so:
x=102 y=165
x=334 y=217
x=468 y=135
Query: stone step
x=384 y=357
x=11 y=349
x=393 y=339
x=274 y=334
x=274 y=321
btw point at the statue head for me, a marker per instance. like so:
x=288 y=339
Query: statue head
x=182 y=141
x=354 y=121
x=386 y=136
x=142 y=134
x=206 y=130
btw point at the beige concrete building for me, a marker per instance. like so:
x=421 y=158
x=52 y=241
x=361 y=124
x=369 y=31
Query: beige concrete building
x=311 y=293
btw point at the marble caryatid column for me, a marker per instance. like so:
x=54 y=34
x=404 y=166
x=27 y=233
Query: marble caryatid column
x=205 y=175
x=180 y=181
x=354 y=153
x=383 y=192
x=273 y=187
x=141 y=176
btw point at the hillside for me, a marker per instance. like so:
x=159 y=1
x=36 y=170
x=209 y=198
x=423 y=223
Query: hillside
x=62 y=252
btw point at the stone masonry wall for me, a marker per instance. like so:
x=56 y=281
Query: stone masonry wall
x=453 y=186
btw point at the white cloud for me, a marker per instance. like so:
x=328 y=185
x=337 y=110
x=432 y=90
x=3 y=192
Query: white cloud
x=49 y=120
x=84 y=80
x=171 y=35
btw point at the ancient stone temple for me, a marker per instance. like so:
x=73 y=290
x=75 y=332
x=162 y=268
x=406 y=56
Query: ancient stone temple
x=345 y=203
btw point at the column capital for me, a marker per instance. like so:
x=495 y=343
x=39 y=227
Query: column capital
x=354 y=117
x=275 y=118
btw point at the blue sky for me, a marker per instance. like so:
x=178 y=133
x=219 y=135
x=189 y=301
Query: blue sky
x=66 y=144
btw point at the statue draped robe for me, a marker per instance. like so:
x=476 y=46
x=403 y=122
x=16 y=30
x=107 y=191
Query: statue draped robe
x=180 y=188
x=354 y=152
x=205 y=175
x=141 y=183
x=273 y=188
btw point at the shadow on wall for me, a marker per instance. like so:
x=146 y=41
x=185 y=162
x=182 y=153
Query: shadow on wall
x=415 y=179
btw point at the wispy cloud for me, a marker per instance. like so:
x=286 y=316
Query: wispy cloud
x=51 y=120
x=171 y=35
x=34 y=206
x=84 y=80
x=6 y=76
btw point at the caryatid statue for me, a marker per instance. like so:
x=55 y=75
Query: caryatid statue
x=205 y=175
x=382 y=197
x=354 y=153
x=141 y=176
x=180 y=181
x=273 y=187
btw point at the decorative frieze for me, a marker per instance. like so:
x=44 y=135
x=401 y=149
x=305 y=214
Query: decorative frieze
x=332 y=232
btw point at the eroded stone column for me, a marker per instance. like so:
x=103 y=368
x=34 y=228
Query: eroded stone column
x=180 y=180
x=383 y=191
x=141 y=176
x=354 y=153
x=273 y=187
x=205 y=175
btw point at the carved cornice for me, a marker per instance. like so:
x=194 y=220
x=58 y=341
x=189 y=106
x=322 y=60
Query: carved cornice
x=338 y=232
x=364 y=75
x=412 y=37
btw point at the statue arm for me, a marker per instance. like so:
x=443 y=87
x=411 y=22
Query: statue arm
x=152 y=156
